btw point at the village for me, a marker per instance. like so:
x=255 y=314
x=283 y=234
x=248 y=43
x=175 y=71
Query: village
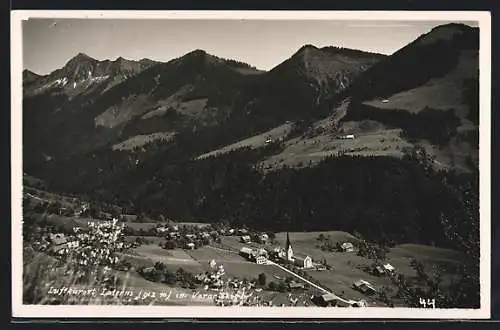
x=226 y=264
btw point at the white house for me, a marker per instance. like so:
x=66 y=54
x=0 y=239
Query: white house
x=347 y=247
x=303 y=262
x=245 y=239
x=190 y=246
x=389 y=268
x=261 y=260
x=161 y=229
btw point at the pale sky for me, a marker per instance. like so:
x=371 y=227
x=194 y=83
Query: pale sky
x=49 y=43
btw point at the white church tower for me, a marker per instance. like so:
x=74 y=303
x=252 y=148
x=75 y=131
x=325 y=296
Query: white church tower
x=289 y=250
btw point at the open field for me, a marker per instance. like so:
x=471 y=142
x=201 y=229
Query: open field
x=147 y=255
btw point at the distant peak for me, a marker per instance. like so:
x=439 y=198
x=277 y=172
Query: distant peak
x=83 y=56
x=307 y=48
x=197 y=52
x=80 y=57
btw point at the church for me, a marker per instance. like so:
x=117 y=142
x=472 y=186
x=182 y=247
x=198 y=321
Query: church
x=289 y=257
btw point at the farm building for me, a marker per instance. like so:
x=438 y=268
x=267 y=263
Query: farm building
x=329 y=299
x=296 y=285
x=346 y=137
x=246 y=252
x=212 y=263
x=190 y=246
x=245 y=239
x=389 y=268
x=230 y=231
x=304 y=262
x=364 y=287
x=347 y=247
x=378 y=271
x=243 y=231
x=161 y=229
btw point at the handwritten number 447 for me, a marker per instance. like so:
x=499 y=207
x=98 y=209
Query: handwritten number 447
x=428 y=303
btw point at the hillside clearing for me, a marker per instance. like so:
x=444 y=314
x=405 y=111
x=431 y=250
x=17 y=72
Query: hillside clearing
x=140 y=140
x=253 y=142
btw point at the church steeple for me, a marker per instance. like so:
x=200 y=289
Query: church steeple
x=289 y=250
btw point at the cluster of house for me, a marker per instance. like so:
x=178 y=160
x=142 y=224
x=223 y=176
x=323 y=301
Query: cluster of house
x=279 y=255
x=60 y=244
x=189 y=240
x=261 y=238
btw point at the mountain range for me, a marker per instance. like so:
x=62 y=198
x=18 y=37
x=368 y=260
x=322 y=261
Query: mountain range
x=120 y=128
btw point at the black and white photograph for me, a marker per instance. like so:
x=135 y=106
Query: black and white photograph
x=251 y=164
